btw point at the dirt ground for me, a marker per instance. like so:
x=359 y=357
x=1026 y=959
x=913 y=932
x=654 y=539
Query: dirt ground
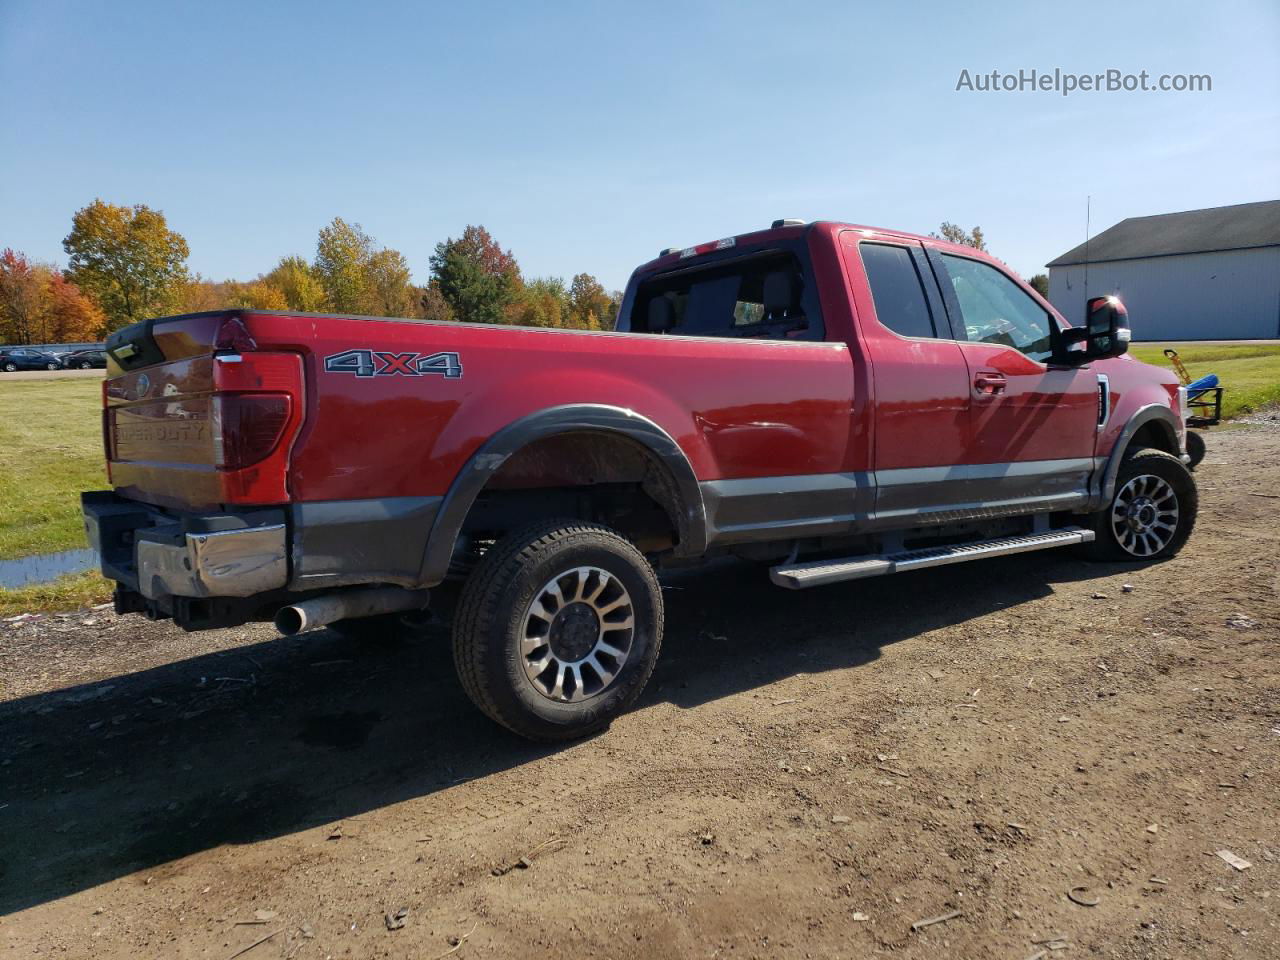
x=808 y=775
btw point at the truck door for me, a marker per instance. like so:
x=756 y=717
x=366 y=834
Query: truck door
x=921 y=381
x=1032 y=426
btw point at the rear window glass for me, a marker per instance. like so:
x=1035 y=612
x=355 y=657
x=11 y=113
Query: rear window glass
x=764 y=296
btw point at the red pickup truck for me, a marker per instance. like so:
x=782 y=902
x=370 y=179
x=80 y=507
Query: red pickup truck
x=836 y=401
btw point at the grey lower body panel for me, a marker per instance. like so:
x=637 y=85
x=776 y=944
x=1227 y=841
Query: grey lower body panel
x=779 y=508
x=839 y=504
x=344 y=542
x=919 y=496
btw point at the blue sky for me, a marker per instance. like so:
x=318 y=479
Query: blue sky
x=586 y=136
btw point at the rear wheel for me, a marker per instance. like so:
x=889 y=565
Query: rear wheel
x=558 y=629
x=10 y=367
x=1151 y=513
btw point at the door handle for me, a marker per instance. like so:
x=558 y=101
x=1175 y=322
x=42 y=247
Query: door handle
x=990 y=384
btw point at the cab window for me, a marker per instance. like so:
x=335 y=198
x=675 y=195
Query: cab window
x=757 y=297
x=994 y=309
x=897 y=290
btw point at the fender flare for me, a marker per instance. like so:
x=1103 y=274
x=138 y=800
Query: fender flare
x=1156 y=413
x=570 y=418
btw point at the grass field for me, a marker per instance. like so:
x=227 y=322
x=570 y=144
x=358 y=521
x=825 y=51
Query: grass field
x=1249 y=372
x=51 y=449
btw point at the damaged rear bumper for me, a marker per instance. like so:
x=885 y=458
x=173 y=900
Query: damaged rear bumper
x=158 y=555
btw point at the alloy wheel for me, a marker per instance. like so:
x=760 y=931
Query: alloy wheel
x=1144 y=515
x=577 y=634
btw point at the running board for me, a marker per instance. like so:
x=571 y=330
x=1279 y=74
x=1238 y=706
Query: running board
x=798 y=576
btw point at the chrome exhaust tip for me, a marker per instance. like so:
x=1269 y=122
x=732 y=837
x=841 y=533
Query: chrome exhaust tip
x=321 y=611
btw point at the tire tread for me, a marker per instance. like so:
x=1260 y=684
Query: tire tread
x=1104 y=547
x=479 y=607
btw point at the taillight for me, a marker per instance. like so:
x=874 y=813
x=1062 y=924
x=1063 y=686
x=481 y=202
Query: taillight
x=247 y=427
x=256 y=410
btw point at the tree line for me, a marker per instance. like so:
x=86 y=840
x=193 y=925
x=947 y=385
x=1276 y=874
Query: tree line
x=125 y=264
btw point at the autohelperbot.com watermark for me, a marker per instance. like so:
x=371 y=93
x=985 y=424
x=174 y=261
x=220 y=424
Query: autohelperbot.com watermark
x=1065 y=83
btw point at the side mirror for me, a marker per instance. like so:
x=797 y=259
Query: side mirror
x=1107 y=331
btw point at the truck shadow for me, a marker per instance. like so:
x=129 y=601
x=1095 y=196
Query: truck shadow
x=107 y=778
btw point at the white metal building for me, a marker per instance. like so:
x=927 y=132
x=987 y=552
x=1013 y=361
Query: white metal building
x=1198 y=275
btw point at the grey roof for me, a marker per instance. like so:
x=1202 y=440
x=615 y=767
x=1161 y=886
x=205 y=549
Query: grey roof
x=1236 y=227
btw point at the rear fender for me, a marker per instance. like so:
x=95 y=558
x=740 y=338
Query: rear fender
x=570 y=418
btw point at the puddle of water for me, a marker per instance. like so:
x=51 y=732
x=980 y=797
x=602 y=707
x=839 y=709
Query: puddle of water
x=43 y=567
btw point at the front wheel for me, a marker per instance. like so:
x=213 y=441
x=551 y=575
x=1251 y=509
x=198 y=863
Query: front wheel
x=558 y=629
x=10 y=367
x=1151 y=512
x=51 y=366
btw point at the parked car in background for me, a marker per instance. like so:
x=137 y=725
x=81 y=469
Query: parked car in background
x=85 y=359
x=23 y=358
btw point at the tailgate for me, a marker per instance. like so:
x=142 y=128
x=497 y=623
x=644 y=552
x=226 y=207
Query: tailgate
x=194 y=417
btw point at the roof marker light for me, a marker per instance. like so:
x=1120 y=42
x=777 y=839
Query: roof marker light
x=723 y=244
x=788 y=222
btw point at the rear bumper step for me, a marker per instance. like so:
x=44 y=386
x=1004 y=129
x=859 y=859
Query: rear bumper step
x=798 y=576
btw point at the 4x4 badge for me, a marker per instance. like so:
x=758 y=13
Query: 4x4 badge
x=383 y=363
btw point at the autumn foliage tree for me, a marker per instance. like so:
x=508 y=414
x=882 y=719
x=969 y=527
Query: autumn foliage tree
x=431 y=303
x=589 y=305
x=542 y=302
x=358 y=276
x=342 y=250
x=127 y=259
x=38 y=304
x=388 y=290
x=72 y=317
x=126 y=265
x=20 y=295
x=957 y=234
x=297 y=281
x=477 y=278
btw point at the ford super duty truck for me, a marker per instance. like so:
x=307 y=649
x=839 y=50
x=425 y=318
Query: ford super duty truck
x=835 y=401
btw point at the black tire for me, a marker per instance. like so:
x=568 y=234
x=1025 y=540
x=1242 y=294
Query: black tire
x=85 y=365
x=496 y=612
x=10 y=368
x=52 y=366
x=1195 y=448
x=1112 y=540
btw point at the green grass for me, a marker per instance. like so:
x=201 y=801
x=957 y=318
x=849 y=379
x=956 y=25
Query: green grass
x=65 y=593
x=1250 y=373
x=50 y=450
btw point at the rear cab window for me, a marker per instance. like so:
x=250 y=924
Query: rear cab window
x=767 y=294
x=897 y=290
